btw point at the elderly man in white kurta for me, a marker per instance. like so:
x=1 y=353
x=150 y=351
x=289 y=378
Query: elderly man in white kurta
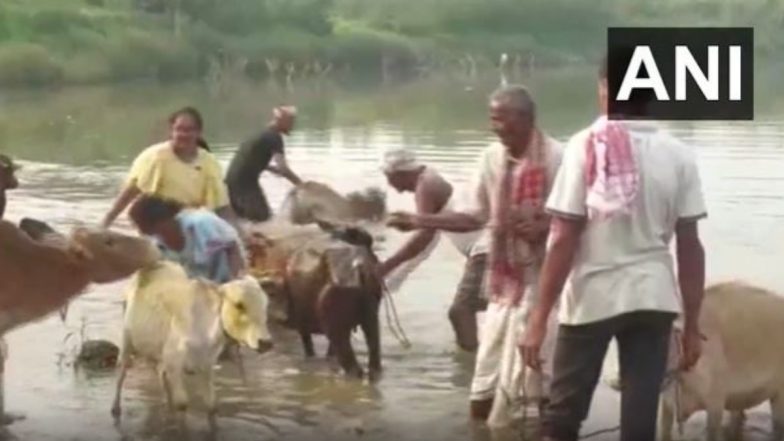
x=514 y=179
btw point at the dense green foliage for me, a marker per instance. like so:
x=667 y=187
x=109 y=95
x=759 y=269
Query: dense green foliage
x=87 y=41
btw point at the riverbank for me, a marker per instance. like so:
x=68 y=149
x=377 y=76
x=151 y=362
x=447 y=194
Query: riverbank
x=56 y=42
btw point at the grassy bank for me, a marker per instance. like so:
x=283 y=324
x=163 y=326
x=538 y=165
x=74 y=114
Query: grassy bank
x=46 y=42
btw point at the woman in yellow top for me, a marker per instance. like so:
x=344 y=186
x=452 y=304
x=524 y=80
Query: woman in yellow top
x=177 y=170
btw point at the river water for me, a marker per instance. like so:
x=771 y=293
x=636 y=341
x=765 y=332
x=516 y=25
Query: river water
x=76 y=144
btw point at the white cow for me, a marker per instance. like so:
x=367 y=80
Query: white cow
x=742 y=364
x=182 y=324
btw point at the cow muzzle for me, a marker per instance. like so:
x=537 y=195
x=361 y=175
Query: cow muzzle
x=264 y=346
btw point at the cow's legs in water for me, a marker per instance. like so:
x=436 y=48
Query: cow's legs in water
x=125 y=362
x=166 y=386
x=212 y=405
x=334 y=313
x=307 y=341
x=715 y=411
x=116 y=406
x=737 y=418
x=370 y=327
x=346 y=357
x=5 y=418
x=330 y=351
x=179 y=395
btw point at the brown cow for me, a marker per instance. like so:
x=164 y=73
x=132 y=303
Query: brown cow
x=328 y=284
x=41 y=271
x=37 y=278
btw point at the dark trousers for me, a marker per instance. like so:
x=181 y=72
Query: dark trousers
x=249 y=202
x=643 y=342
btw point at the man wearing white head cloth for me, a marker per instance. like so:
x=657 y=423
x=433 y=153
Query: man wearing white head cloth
x=252 y=159
x=433 y=194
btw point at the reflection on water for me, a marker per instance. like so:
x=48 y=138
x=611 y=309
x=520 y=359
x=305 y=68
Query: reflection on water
x=77 y=144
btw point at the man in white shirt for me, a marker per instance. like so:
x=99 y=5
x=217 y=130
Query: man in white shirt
x=624 y=190
x=434 y=194
x=513 y=181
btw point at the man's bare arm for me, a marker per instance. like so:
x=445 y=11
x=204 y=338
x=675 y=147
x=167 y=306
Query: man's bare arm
x=431 y=197
x=281 y=167
x=558 y=262
x=691 y=271
x=555 y=271
x=128 y=195
x=412 y=248
x=462 y=221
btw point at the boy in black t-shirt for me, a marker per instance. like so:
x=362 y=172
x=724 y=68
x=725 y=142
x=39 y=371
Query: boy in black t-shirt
x=252 y=159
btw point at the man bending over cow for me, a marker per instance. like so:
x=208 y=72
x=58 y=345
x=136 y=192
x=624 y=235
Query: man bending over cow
x=8 y=179
x=203 y=243
x=433 y=194
x=514 y=179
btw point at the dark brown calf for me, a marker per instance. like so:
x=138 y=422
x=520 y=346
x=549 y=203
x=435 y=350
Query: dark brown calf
x=330 y=287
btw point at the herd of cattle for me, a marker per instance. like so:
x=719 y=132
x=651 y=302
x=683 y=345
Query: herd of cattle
x=317 y=275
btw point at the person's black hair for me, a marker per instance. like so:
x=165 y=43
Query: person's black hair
x=195 y=115
x=516 y=97
x=639 y=99
x=203 y=144
x=149 y=211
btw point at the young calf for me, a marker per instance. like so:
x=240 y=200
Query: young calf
x=182 y=325
x=326 y=283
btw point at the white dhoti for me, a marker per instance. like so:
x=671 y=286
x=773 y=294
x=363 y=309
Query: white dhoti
x=500 y=373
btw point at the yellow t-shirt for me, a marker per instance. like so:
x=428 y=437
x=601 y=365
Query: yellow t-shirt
x=158 y=171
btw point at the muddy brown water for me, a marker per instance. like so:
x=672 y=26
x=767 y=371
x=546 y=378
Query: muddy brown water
x=76 y=145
